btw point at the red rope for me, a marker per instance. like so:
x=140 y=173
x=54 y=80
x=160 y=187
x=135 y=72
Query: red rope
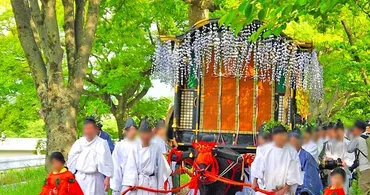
x=231 y=182
x=155 y=190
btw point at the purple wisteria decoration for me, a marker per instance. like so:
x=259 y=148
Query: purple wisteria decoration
x=274 y=57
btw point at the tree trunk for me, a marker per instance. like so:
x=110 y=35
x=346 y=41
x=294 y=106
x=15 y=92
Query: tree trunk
x=60 y=123
x=196 y=13
x=199 y=10
x=121 y=121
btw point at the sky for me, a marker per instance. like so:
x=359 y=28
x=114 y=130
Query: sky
x=160 y=90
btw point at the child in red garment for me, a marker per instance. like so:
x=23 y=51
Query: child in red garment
x=60 y=181
x=337 y=178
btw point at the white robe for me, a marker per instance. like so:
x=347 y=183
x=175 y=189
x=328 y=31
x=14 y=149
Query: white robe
x=279 y=167
x=146 y=166
x=260 y=151
x=120 y=157
x=92 y=161
x=338 y=149
x=161 y=144
x=312 y=148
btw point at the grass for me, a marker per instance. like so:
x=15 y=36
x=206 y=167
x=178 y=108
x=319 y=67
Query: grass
x=25 y=181
x=29 y=181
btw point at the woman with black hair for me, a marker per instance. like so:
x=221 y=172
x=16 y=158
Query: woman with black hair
x=60 y=181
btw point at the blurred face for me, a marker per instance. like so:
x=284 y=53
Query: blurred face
x=336 y=180
x=295 y=142
x=131 y=133
x=322 y=134
x=368 y=129
x=356 y=132
x=56 y=165
x=146 y=137
x=280 y=139
x=90 y=131
x=340 y=134
x=331 y=134
x=316 y=136
x=262 y=140
x=307 y=137
x=161 y=132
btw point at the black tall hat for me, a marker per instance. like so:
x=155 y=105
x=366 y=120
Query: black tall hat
x=130 y=123
x=145 y=126
x=160 y=124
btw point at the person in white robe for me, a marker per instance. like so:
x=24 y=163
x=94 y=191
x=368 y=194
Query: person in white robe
x=279 y=165
x=160 y=136
x=146 y=166
x=91 y=161
x=309 y=145
x=120 y=156
x=264 y=139
x=335 y=148
x=320 y=137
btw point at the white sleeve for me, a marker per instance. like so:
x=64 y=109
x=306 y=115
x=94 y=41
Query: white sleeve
x=73 y=155
x=295 y=175
x=116 y=179
x=131 y=169
x=258 y=167
x=105 y=162
x=164 y=170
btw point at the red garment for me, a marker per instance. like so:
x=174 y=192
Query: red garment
x=64 y=182
x=337 y=191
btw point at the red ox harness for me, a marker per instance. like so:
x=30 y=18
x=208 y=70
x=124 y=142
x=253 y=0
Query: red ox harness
x=208 y=174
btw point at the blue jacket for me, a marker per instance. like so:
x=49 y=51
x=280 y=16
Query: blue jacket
x=311 y=180
x=105 y=135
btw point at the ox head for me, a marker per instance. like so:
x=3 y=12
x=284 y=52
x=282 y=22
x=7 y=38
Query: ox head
x=205 y=160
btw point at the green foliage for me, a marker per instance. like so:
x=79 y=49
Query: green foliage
x=19 y=106
x=152 y=108
x=276 y=14
x=355 y=188
x=26 y=181
x=269 y=126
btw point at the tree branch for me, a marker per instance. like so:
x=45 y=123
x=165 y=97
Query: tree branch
x=54 y=52
x=357 y=59
x=140 y=95
x=79 y=70
x=33 y=55
x=79 y=22
x=69 y=30
x=38 y=19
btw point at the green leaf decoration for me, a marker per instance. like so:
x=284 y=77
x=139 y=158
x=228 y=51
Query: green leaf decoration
x=262 y=14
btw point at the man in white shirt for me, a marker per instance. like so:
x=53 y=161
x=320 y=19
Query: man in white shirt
x=160 y=136
x=91 y=160
x=146 y=165
x=359 y=146
x=309 y=145
x=120 y=156
x=280 y=167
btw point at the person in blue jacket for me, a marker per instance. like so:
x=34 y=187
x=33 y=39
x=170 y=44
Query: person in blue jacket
x=311 y=181
x=104 y=135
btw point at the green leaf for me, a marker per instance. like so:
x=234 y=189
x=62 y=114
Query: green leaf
x=302 y=2
x=287 y=10
x=223 y=19
x=242 y=7
x=267 y=33
x=277 y=31
x=262 y=14
x=249 y=13
x=230 y=17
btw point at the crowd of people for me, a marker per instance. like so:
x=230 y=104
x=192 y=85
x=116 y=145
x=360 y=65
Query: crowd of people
x=323 y=160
